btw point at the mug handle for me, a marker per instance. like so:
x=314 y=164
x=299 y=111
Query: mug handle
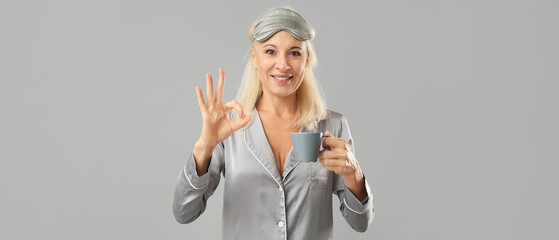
x=321 y=141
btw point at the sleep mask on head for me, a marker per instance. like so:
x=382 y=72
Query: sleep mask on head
x=278 y=19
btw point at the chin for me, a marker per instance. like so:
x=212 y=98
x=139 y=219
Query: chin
x=281 y=92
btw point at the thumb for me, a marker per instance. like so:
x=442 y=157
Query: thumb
x=241 y=123
x=328 y=133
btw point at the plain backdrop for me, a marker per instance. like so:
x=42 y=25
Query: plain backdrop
x=452 y=106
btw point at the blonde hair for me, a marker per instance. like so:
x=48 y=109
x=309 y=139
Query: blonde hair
x=311 y=106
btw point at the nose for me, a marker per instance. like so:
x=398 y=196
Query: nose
x=282 y=64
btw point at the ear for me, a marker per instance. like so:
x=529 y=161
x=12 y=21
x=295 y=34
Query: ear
x=253 y=58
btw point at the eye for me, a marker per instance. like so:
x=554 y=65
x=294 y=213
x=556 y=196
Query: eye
x=296 y=54
x=270 y=51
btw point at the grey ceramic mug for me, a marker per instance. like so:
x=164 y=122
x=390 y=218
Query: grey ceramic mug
x=307 y=145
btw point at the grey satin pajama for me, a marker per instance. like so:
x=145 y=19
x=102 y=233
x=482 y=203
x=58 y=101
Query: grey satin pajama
x=257 y=203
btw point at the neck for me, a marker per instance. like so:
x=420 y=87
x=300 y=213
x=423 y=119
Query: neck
x=283 y=107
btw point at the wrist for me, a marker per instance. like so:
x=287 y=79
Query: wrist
x=356 y=184
x=204 y=146
x=206 y=142
x=202 y=156
x=354 y=179
x=203 y=151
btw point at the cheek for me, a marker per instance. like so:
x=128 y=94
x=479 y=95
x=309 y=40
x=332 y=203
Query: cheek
x=264 y=67
x=301 y=69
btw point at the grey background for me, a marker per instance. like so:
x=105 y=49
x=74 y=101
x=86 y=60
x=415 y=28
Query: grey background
x=452 y=106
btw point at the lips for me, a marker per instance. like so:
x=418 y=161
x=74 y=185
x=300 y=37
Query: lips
x=282 y=78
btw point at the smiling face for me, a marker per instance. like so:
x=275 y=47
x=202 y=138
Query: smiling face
x=281 y=62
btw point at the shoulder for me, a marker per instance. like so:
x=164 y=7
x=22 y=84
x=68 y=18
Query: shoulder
x=334 y=122
x=335 y=117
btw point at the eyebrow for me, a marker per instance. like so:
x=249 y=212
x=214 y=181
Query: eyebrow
x=272 y=45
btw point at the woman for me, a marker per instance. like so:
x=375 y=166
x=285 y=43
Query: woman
x=267 y=194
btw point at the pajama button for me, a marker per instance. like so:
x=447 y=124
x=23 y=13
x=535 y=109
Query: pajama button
x=280 y=224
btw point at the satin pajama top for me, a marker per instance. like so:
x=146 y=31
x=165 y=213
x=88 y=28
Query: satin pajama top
x=257 y=202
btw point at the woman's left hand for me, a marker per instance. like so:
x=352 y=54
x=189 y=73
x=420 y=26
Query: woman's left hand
x=339 y=158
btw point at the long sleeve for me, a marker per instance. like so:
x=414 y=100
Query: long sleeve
x=358 y=215
x=192 y=191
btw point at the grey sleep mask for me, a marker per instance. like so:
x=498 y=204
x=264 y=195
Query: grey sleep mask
x=277 y=19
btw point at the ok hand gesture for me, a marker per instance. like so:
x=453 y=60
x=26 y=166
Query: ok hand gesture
x=216 y=126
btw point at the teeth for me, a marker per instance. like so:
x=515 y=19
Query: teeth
x=282 y=78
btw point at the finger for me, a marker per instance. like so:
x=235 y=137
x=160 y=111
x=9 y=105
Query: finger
x=325 y=165
x=334 y=142
x=333 y=162
x=341 y=170
x=236 y=125
x=201 y=102
x=220 y=83
x=337 y=153
x=238 y=107
x=209 y=89
x=336 y=169
x=328 y=138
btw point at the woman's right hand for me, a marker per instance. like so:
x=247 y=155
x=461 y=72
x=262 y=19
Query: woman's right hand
x=216 y=126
